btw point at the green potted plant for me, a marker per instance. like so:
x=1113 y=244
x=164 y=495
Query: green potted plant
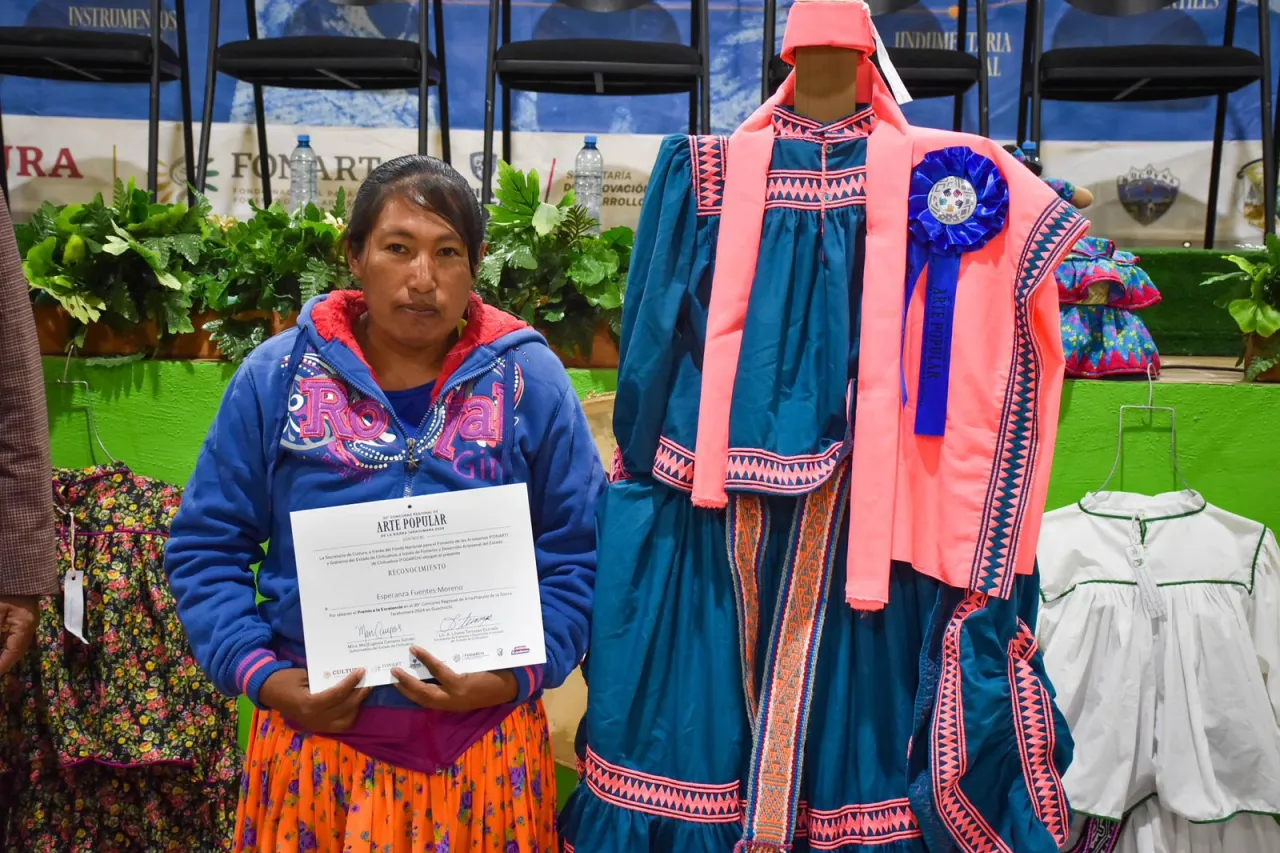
x=547 y=265
x=1253 y=299
x=266 y=268
x=114 y=279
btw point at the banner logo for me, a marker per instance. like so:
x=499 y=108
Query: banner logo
x=1148 y=193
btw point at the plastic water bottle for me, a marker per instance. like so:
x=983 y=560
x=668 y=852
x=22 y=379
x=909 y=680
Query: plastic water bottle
x=588 y=178
x=304 y=175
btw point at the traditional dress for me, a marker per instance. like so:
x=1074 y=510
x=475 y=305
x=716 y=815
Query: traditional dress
x=1166 y=671
x=737 y=701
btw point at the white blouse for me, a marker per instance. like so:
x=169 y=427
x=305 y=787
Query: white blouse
x=1160 y=626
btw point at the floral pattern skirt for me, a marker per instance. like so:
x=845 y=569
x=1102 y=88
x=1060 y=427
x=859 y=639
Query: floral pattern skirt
x=311 y=793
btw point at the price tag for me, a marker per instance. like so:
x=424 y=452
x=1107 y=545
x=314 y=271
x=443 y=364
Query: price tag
x=73 y=603
x=1147 y=589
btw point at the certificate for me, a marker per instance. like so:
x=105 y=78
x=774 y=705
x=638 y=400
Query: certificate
x=453 y=573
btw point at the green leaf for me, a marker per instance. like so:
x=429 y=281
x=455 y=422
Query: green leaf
x=620 y=236
x=1260 y=365
x=40 y=262
x=1267 y=321
x=116 y=246
x=1243 y=263
x=1245 y=313
x=187 y=245
x=314 y=280
x=522 y=257
x=546 y=218
x=553 y=316
x=340 y=204
x=1273 y=249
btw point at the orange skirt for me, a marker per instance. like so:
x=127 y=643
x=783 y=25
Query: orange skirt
x=304 y=793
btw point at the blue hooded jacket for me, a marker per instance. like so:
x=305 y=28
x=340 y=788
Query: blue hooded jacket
x=304 y=425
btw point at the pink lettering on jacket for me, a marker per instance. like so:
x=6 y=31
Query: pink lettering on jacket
x=325 y=401
x=478 y=419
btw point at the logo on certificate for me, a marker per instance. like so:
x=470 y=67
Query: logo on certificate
x=519 y=650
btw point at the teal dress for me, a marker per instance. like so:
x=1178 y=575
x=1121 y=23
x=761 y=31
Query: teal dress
x=736 y=701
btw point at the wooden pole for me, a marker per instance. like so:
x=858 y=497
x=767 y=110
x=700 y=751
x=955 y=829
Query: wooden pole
x=826 y=82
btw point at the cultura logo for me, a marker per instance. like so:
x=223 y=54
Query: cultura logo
x=1147 y=193
x=171 y=185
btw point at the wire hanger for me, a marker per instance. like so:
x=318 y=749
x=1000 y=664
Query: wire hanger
x=1173 y=434
x=88 y=405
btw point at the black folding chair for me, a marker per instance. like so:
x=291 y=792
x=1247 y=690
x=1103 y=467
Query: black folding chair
x=51 y=53
x=927 y=72
x=593 y=66
x=1152 y=72
x=341 y=63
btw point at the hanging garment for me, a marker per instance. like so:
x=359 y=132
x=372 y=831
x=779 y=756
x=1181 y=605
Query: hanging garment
x=1100 y=288
x=737 y=702
x=117 y=741
x=1160 y=631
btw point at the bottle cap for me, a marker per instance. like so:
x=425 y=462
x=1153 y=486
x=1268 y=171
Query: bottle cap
x=304 y=139
x=589 y=140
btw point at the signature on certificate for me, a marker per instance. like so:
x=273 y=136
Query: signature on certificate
x=457 y=623
x=378 y=631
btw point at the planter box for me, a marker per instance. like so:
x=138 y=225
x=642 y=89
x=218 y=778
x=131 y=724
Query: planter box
x=603 y=353
x=1251 y=346
x=53 y=326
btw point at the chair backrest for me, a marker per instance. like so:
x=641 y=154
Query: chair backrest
x=889 y=7
x=604 y=6
x=1120 y=8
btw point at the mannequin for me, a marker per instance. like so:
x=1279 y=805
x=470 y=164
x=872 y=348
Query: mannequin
x=826 y=82
x=739 y=702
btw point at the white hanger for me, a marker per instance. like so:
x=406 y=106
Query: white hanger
x=1173 y=434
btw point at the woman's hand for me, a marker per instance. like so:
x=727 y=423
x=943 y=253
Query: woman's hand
x=330 y=712
x=455 y=692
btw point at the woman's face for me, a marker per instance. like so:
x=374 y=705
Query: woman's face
x=415 y=274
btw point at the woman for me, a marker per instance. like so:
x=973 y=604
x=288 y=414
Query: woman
x=411 y=385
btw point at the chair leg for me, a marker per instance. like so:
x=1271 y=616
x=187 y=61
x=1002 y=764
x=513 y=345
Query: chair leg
x=153 y=125
x=442 y=89
x=693 y=108
x=1215 y=172
x=1268 y=137
x=984 y=95
x=210 y=84
x=1025 y=71
x=962 y=45
x=704 y=50
x=188 y=144
x=424 y=83
x=264 y=157
x=506 y=90
x=490 y=79
x=770 y=46
x=1037 y=51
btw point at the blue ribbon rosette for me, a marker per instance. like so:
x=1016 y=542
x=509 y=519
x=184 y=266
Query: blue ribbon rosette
x=958 y=202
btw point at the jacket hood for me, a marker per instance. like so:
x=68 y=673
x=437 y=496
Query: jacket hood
x=331 y=317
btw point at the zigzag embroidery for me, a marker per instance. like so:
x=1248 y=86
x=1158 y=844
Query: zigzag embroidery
x=789 y=125
x=1015 y=456
x=950 y=752
x=1033 y=719
x=815 y=190
x=673 y=465
x=636 y=791
x=757 y=471
x=761 y=471
x=876 y=823
x=618 y=469
x=863 y=823
x=707 y=154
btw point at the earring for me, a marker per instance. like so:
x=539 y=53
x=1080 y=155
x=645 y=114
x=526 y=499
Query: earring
x=462 y=326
